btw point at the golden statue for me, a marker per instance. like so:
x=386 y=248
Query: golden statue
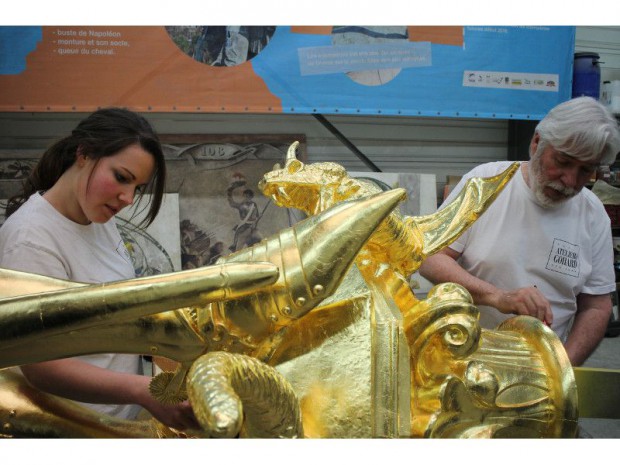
x=314 y=332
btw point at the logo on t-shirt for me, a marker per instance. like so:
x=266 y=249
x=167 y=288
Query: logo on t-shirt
x=121 y=249
x=564 y=258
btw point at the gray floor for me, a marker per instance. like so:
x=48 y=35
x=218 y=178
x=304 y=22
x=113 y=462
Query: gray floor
x=607 y=355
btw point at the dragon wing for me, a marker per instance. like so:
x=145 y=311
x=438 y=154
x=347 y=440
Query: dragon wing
x=443 y=227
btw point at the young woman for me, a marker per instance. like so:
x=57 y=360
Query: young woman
x=62 y=225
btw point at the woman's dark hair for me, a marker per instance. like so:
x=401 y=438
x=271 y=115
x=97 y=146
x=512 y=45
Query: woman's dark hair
x=102 y=134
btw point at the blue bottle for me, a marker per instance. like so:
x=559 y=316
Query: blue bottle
x=586 y=75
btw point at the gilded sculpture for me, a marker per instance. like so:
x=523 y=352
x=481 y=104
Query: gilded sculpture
x=313 y=332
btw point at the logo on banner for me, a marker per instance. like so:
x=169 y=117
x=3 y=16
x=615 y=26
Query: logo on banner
x=564 y=258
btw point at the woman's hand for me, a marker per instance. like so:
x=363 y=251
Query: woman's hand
x=178 y=416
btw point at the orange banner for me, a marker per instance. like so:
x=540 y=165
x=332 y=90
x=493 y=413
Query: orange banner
x=81 y=68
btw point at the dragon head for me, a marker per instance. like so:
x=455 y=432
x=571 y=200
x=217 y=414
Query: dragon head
x=311 y=188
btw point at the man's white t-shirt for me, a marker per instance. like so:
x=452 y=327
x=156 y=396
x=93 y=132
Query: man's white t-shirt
x=564 y=251
x=39 y=239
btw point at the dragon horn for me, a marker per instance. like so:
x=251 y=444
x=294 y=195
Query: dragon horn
x=34 y=316
x=443 y=227
x=290 y=154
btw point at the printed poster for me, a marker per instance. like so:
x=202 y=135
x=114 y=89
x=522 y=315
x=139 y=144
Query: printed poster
x=508 y=72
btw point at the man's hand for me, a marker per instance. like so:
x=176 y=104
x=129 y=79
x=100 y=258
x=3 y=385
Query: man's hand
x=443 y=267
x=525 y=301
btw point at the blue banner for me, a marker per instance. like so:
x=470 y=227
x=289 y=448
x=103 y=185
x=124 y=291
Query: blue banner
x=506 y=72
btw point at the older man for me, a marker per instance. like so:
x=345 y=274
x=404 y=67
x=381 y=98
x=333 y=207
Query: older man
x=544 y=246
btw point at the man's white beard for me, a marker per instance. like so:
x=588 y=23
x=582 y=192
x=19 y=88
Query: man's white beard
x=538 y=182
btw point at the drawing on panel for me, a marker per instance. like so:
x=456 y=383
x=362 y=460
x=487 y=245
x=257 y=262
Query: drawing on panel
x=15 y=169
x=221 y=208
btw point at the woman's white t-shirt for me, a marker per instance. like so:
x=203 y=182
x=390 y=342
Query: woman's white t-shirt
x=39 y=239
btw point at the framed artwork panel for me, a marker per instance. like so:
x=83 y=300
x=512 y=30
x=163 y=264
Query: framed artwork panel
x=221 y=209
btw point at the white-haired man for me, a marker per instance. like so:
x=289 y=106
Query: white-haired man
x=544 y=247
